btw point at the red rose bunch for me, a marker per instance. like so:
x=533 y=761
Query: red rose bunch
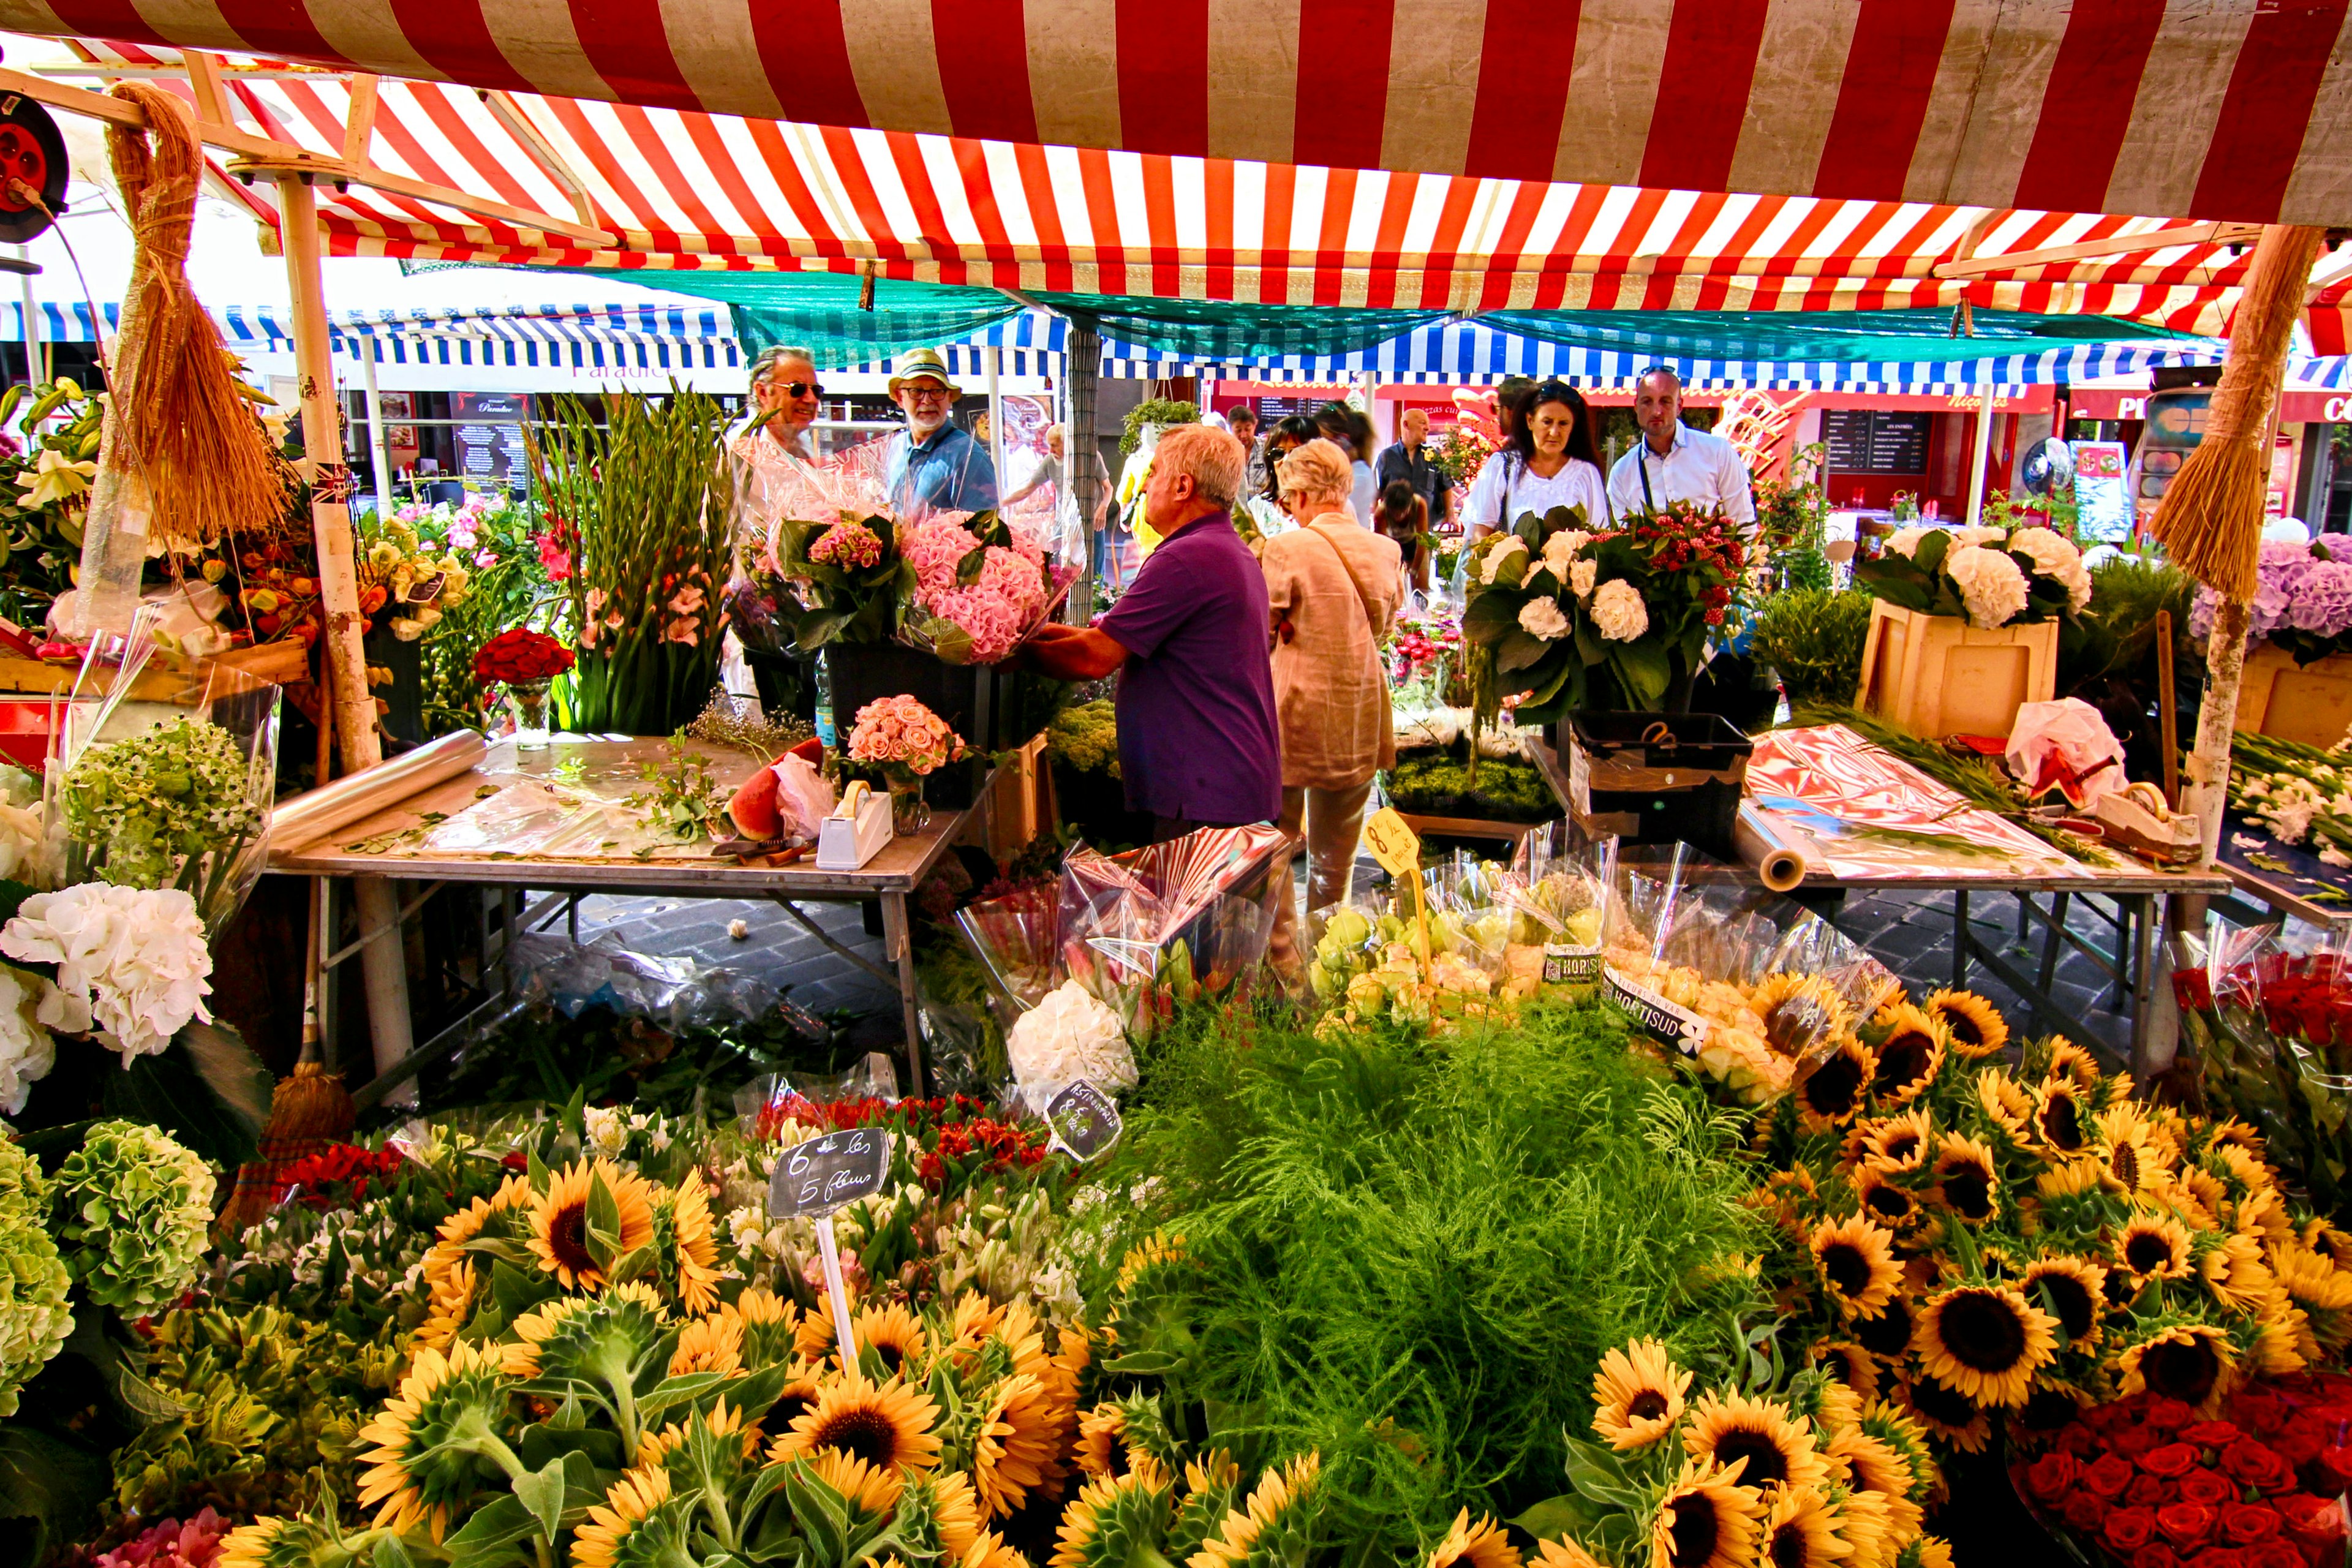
x=520 y=654
x=2146 y=1482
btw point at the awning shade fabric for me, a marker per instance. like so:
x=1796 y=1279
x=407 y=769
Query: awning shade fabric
x=2226 y=109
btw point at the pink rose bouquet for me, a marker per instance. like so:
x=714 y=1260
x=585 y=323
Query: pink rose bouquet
x=984 y=584
x=899 y=732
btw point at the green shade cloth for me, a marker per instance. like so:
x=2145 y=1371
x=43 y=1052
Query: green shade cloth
x=818 y=311
x=1821 y=336
x=1227 y=330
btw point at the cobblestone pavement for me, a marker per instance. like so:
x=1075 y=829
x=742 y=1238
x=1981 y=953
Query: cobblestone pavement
x=1910 y=933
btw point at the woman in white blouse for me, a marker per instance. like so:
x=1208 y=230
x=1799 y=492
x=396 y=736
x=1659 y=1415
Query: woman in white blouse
x=1548 y=461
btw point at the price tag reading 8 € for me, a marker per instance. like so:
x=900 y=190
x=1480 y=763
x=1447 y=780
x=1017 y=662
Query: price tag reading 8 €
x=1394 y=846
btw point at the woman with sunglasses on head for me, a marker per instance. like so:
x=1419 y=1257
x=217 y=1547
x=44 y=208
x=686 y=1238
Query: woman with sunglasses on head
x=1548 y=461
x=1266 y=510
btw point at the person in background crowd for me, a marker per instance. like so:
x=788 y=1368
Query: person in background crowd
x=1548 y=461
x=1409 y=460
x=1056 y=471
x=1333 y=589
x=1241 y=420
x=1348 y=429
x=1199 y=743
x=1403 y=516
x=931 y=465
x=1672 y=462
x=1510 y=402
x=1264 y=506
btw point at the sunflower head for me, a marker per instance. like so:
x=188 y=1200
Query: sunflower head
x=1800 y=1530
x=1887 y=1335
x=2061 y=1057
x=1851 y=1364
x=1903 y=1436
x=2188 y=1362
x=887 y=1425
x=1967 y=1184
x=890 y=1342
x=1945 y=1414
x=1884 y=1201
x=430 y=1436
x=1891 y=1144
x=2072 y=1290
x=1638 y=1394
x=1213 y=1484
x=2152 y=1247
x=1908 y=1056
x=1278 y=1524
x=2008 y=1106
x=1800 y=1012
x=771 y=1326
x=1113 y=1519
x=1017 y=1444
x=938 y=1512
x=714 y=1343
x=639 y=1524
x=1832 y=1089
x=591 y=1216
x=687 y=1241
x=1707 y=1520
x=1973 y=1026
x=1772 y=1446
x=1474 y=1544
x=584 y=1340
x=1856 y=1261
x=1985 y=1342
x=2061 y=1122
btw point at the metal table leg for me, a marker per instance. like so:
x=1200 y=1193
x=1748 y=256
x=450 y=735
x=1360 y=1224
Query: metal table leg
x=898 y=945
x=1960 y=939
x=2143 y=907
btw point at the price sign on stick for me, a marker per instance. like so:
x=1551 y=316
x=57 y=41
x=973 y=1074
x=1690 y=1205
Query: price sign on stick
x=814 y=1179
x=1085 y=1121
x=1398 y=849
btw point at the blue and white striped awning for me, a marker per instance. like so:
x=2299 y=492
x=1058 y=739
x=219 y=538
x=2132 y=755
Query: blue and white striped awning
x=574 y=337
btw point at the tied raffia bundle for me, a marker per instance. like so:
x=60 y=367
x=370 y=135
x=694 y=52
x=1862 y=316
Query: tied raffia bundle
x=180 y=419
x=2211 y=519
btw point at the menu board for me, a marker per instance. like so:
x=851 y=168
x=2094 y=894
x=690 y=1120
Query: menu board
x=1875 y=441
x=489 y=430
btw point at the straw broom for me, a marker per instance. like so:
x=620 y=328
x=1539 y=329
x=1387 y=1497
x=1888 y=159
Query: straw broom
x=181 y=458
x=2211 y=519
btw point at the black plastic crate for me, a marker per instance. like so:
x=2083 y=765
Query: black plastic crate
x=1658 y=778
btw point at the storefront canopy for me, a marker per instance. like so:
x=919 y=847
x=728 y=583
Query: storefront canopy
x=2231 y=109
x=688 y=192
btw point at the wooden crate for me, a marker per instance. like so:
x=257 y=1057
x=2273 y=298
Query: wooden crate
x=1937 y=675
x=2311 y=704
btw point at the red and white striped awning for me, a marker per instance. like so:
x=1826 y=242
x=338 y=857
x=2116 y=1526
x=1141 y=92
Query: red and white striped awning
x=2222 y=109
x=686 y=190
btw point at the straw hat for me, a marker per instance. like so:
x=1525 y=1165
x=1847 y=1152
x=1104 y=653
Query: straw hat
x=923 y=362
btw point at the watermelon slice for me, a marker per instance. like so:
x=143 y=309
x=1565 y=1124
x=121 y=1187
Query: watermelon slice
x=811 y=751
x=753 y=809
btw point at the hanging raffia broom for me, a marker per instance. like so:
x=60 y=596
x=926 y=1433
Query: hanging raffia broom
x=183 y=459
x=2211 y=519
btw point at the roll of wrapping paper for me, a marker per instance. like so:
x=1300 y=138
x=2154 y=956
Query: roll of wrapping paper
x=1774 y=848
x=312 y=816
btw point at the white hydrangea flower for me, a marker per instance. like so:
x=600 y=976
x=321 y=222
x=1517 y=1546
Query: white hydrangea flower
x=1067 y=1036
x=1542 y=618
x=1977 y=535
x=1561 y=548
x=26 y=1050
x=2053 y=556
x=1904 y=541
x=134 y=959
x=1497 y=554
x=1618 y=611
x=1580 y=576
x=1989 y=584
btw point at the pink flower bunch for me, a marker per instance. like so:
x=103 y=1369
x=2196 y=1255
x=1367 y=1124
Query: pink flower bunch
x=900 y=732
x=998 y=608
x=172 y=1544
x=848 y=544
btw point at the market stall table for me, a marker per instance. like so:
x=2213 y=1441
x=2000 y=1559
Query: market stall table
x=2297 y=882
x=395 y=841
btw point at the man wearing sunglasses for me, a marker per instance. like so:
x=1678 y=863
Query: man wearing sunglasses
x=933 y=466
x=784 y=380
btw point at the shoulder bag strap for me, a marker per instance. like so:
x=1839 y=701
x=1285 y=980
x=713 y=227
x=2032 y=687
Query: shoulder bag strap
x=1363 y=599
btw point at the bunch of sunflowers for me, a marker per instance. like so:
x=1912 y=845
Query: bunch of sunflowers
x=1958 y=1238
x=591 y=1390
x=1811 y=1474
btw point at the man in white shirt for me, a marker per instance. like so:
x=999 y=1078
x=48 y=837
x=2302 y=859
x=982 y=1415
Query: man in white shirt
x=1672 y=462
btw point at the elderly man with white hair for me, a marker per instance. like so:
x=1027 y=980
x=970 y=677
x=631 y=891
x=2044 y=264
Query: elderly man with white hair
x=931 y=465
x=1332 y=588
x=1199 y=745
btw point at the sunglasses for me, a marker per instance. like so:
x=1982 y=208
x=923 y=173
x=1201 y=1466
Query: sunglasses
x=798 y=389
x=928 y=394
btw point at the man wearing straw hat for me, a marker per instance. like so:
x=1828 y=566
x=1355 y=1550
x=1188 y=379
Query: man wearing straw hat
x=933 y=466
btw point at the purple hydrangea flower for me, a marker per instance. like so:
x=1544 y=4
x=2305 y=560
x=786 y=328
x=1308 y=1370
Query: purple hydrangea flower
x=2323 y=599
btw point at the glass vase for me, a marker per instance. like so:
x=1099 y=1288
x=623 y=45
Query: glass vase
x=527 y=705
x=909 y=815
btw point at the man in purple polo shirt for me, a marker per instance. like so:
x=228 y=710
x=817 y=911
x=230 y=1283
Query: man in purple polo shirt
x=1199 y=745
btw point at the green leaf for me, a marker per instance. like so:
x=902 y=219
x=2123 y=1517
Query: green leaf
x=603 y=1227
x=1642 y=669
x=56 y=1485
x=542 y=1493
x=950 y=641
x=1930 y=556
x=492 y=1533
x=967 y=566
x=1519 y=650
x=1493 y=614
x=516 y=1291
x=1556 y=1517
x=390 y=1553
x=542 y=1443
x=678 y=1390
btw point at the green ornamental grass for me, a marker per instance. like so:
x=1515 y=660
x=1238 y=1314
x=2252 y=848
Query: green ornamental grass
x=1411 y=1254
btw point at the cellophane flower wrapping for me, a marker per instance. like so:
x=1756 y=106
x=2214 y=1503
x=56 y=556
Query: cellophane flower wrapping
x=1750 y=989
x=1169 y=922
x=2270 y=1022
x=806 y=538
x=1015 y=939
x=983 y=585
x=2257 y=1483
x=161 y=774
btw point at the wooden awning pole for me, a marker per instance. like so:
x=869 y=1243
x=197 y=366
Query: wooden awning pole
x=330 y=524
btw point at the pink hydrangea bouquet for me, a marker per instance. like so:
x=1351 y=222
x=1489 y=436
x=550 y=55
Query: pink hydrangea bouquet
x=851 y=544
x=2303 y=600
x=981 y=585
x=899 y=733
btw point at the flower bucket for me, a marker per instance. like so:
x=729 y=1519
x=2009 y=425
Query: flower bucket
x=2307 y=703
x=1658 y=778
x=1937 y=675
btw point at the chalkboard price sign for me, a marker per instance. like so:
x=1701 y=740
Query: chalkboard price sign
x=824 y=1173
x=1084 y=1120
